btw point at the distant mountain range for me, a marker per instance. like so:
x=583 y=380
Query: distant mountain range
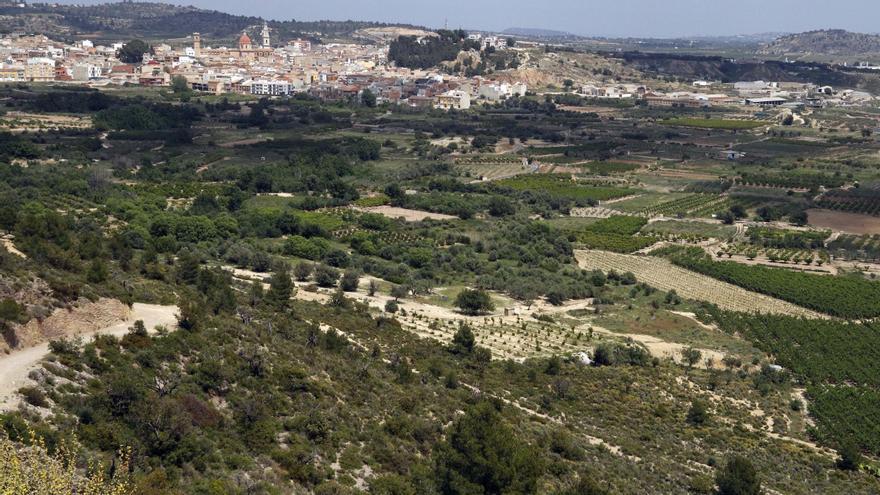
x=539 y=33
x=835 y=42
x=163 y=21
x=155 y=20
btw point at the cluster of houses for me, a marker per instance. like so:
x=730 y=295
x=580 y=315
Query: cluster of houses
x=345 y=71
x=256 y=67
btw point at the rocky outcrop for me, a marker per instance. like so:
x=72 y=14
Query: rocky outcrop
x=84 y=316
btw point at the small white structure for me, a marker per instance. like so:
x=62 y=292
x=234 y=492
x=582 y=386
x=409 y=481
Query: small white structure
x=583 y=358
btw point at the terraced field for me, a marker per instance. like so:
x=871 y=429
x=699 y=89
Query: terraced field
x=662 y=274
x=507 y=338
x=492 y=167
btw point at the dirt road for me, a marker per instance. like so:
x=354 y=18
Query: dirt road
x=15 y=367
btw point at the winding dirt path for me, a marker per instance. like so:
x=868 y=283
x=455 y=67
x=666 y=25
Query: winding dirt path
x=15 y=367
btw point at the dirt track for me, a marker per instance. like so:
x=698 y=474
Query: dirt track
x=15 y=367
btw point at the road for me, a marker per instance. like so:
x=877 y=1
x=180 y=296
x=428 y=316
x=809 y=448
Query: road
x=15 y=367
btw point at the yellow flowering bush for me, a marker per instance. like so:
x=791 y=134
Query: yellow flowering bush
x=32 y=470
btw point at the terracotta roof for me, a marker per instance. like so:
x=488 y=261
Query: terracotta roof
x=245 y=39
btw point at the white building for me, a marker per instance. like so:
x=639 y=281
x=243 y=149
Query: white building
x=264 y=87
x=495 y=42
x=300 y=45
x=498 y=91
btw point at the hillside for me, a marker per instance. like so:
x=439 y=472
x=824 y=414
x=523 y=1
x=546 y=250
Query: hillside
x=824 y=42
x=722 y=69
x=158 y=21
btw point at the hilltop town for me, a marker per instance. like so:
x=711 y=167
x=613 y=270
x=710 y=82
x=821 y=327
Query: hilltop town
x=344 y=72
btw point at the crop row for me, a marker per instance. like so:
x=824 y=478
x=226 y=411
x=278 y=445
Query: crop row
x=846 y=297
x=694 y=204
x=806 y=256
x=793 y=181
x=662 y=274
x=488 y=159
x=856 y=247
x=563 y=187
x=853 y=205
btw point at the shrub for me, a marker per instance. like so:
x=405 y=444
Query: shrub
x=698 y=414
x=350 y=281
x=738 y=477
x=474 y=302
x=850 y=457
x=35 y=470
x=463 y=341
x=34 y=396
x=326 y=276
x=303 y=270
x=391 y=306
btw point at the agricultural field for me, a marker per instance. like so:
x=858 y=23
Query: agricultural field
x=847 y=297
x=494 y=171
x=856 y=247
x=644 y=201
x=34 y=122
x=836 y=359
x=615 y=233
x=564 y=187
x=608 y=168
x=690 y=230
x=862 y=200
x=662 y=274
x=694 y=205
x=807 y=257
x=792 y=180
x=841 y=221
x=406 y=214
x=716 y=123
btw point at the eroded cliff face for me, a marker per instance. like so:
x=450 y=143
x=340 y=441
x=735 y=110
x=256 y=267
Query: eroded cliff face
x=81 y=317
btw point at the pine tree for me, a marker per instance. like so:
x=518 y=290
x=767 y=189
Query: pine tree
x=280 y=288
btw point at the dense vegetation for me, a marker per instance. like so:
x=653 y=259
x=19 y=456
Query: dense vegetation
x=163 y=21
x=415 y=53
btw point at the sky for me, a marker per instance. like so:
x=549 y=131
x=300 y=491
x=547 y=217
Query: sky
x=611 y=18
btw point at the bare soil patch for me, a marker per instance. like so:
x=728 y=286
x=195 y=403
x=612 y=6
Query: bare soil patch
x=839 y=221
x=405 y=213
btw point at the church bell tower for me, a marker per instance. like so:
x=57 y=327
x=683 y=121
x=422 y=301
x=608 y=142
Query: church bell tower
x=267 y=42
